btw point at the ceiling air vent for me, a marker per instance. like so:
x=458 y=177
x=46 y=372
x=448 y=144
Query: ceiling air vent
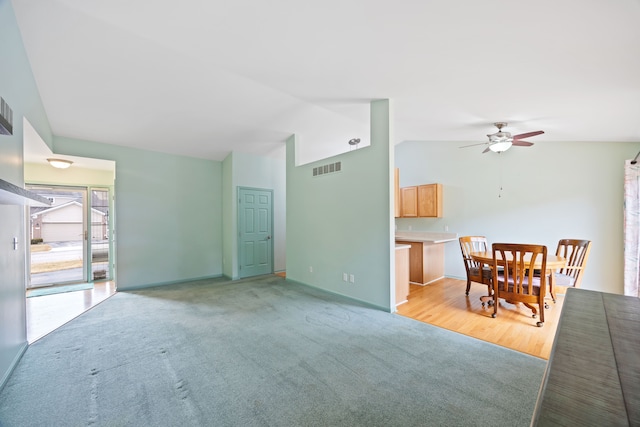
x=6 y=118
x=327 y=169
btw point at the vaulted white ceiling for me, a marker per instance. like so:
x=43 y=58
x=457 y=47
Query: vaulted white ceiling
x=203 y=78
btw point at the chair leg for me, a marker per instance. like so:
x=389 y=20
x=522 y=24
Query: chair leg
x=533 y=309
x=486 y=299
x=552 y=291
x=468 y=286
x=541 y=322
x=490 y=292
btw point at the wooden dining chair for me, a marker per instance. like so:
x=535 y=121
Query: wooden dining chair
x=576 y=252
x=518 y=281
x=476 y=272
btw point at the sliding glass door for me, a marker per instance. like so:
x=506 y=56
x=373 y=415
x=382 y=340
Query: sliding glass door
x=99 y=242
x=69 y=239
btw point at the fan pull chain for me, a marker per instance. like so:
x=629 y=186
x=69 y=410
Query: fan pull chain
x=500 y=175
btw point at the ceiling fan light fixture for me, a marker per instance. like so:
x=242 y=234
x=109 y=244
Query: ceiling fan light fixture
x=499 y=147
x=500 y=137
x=60 y=163
x=502 y=141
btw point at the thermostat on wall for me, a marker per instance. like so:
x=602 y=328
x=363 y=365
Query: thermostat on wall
x=6 y=118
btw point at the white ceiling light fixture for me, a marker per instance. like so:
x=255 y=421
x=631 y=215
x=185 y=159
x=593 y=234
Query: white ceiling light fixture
x=60 y=163
x=500 y=141
x=499 y=147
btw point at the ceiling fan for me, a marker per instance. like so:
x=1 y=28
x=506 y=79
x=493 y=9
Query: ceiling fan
x=502 y=141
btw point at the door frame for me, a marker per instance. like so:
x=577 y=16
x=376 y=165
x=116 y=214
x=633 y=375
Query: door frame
x=87 y=273
x=238 y=229
x=110 y=236
x=59 y=187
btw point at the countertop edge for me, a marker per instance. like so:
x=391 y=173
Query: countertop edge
x=425 y=237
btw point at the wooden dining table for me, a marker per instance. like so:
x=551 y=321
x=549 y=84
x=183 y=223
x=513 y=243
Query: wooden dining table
x=554 y=262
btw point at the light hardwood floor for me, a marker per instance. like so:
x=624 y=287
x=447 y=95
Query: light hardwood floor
x=444 y=304
x=47 y=313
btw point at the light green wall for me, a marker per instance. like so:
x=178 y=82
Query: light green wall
x=168 y=213
x=550 y=191
x=19 y=90
x=229 y=256
x=247 y=170
x=342 y=222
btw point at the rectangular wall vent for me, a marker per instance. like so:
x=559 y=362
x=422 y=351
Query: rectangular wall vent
x=6 y=118
x=328 y=168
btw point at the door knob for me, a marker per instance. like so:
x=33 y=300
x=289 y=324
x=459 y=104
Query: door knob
x=268 y=237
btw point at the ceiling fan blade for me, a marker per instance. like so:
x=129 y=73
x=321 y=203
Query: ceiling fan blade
x=473 y=145
x=522 y=143
x=527 y=135
x=486 y=150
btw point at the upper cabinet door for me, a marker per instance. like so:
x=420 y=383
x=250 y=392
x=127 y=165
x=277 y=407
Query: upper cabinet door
x=430 y=200
x=409 y=202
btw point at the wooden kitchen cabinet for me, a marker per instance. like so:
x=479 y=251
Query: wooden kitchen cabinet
x=430 y=200
x=409 y=200
x=422 y=201
x=402 y=274
x=426 y=261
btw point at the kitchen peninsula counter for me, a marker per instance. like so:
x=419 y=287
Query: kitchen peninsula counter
x=426 y=256
x=425 y=236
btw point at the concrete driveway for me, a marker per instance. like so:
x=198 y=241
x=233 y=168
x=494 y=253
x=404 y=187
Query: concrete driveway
x=64 y=251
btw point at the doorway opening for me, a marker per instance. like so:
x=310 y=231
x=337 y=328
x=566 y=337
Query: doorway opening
x=95 y=180
x=70 y=240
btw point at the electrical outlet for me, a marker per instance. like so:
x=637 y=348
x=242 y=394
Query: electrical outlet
x=344 y=277
x=446 y=228
x=409 y=228
x=352 y=278
x=310 y=269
